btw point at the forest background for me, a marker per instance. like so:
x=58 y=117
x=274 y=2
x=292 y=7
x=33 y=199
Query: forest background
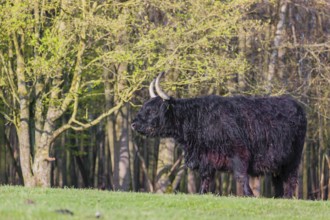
x=73 y=73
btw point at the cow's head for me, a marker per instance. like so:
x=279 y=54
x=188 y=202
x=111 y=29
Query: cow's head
x=154 y=118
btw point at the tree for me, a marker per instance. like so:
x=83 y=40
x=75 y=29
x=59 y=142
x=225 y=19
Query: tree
x=46 y=53
x=165 y=161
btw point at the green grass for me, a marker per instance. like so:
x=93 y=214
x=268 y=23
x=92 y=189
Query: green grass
x=26 y=203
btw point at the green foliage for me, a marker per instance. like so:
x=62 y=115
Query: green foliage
x=135 y=40
x=15 y=16
x=25 y=203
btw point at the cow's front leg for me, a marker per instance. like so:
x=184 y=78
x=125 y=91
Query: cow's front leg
x=207 y=176
x=241 y=176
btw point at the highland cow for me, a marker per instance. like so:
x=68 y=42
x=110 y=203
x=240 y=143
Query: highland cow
x=249 y=136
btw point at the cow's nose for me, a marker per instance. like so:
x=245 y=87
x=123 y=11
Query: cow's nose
x=133 y=125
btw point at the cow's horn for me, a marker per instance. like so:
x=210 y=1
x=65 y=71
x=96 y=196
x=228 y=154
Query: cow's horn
x=151 y=89
x=160 y=92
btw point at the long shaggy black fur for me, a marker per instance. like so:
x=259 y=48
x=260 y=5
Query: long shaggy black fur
x=244 y=135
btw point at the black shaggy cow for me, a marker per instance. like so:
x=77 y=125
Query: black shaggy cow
x=245 y=135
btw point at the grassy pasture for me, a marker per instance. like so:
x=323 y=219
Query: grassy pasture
x=24 y=203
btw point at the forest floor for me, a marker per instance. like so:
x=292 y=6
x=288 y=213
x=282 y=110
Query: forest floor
x=37 y=203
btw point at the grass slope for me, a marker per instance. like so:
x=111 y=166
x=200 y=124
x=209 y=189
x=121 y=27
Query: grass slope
x=24 y=203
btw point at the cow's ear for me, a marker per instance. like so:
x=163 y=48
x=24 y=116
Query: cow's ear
x=169 y=101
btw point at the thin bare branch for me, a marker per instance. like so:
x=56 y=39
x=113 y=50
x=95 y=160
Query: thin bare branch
x=82 y=126
x=9 y=74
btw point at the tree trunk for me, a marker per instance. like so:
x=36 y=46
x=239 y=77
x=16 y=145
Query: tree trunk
x=164 y=163
x=255 y=185
x=24 y=144
x=239 y=189
x=149 y=185
x=192 y=189
x=11 y=143
x=322 y=151
x=124 y=157
x=109 y=129
x=23 y=130
x=177 y=179
x=131 y=154
x=42 y=161
x=305 y=172
x=61 y=158
x=277 y=43
x=328 y=163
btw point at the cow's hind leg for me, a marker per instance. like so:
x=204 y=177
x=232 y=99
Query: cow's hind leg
x=290 y=182
x=278 y=185
x=285 y=182
x=290 y=170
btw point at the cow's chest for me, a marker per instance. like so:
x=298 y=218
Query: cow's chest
x=215 y=160
x=196 y=159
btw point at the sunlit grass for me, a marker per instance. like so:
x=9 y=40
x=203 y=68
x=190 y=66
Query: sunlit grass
x=27 y=203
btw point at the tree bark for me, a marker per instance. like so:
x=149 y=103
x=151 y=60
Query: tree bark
x=23 y=130
x=124 y=175
x=11 y=143
x=192 y=189
x=109 y=129
x=145 y=169
x=164 y=163
x=277 y=52
x=255 y=185
x=121 y=153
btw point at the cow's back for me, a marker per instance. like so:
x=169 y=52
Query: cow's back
x=268 y=130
